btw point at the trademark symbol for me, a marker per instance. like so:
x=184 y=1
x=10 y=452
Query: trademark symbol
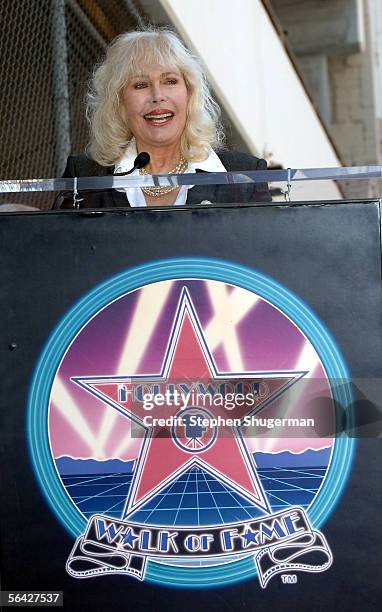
x=289 y=578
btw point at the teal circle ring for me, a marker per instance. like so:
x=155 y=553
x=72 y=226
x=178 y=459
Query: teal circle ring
x=175 y=269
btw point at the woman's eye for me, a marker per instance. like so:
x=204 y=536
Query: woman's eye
x=139 y=85
x=172 y=81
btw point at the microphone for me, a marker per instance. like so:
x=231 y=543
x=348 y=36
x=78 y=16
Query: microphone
x=140 y=161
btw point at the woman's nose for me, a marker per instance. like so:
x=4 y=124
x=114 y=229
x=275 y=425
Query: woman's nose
x=157 y=93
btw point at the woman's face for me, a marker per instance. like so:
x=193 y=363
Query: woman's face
x=155 y=107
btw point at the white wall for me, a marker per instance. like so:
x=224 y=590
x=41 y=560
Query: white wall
x=255 y=82
x=375 y=10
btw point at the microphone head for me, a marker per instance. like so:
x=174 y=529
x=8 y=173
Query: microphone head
x=261 y=164
x=141 y=160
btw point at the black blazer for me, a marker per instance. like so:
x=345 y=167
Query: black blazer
x=81 y=165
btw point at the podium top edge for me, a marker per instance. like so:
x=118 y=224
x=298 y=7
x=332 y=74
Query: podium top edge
x=100 y=212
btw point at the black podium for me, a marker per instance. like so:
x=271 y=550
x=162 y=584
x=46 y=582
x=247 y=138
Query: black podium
x=102 y=309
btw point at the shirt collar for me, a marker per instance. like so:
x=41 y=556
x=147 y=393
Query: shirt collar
x=211 y=164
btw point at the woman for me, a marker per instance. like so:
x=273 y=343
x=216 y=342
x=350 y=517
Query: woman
x=151 y=95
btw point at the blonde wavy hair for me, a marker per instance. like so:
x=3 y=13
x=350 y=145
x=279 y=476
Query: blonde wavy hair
x=130 y=54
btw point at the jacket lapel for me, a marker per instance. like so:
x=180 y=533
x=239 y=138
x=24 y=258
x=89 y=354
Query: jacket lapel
x=197 y=194
x=119 y=198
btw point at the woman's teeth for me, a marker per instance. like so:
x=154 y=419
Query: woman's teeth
x=159 y=118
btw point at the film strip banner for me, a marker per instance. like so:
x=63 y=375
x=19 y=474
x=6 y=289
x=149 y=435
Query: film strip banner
x=280 y=543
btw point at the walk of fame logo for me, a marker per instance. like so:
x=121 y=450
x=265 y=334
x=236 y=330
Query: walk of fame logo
x=187 y=482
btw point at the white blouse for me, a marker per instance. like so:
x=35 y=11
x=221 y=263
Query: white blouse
x=135 y=194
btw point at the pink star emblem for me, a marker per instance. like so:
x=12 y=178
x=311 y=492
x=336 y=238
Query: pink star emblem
x=166 y=450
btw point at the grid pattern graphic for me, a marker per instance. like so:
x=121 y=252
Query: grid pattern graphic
x=195 y=498
x=99 y=493
x=291 y=486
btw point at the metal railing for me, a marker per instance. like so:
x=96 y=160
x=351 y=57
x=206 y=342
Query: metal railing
x=287 y=176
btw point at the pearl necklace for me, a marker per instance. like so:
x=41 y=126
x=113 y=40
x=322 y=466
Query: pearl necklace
x=158 y=191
